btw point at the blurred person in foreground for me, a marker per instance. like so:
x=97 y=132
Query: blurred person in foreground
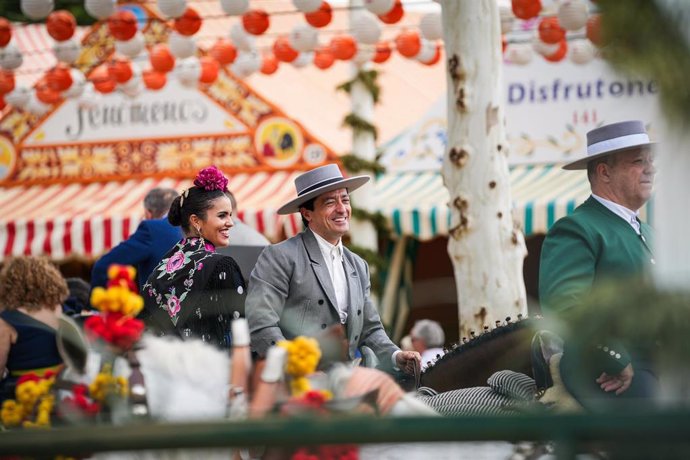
x=427 y=338
x=602 y=241
x=310 y=282
x=32 y=292
x=146 y=246
x=194 y=291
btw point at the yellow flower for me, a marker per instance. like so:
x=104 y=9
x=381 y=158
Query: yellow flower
x=11 y=413
x=299 y=386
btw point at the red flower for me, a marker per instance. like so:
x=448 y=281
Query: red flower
x=114 y=328
x=211 y=178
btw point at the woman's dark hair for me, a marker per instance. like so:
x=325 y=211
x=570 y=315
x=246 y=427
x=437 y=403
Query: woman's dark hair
x=197 y=201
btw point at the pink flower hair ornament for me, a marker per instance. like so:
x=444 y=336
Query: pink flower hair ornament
x=211 y=178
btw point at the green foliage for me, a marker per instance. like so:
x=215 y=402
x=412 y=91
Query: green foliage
x=10 y=9
x=644 y=38
x=376 y=218
x=355 y=164
x=359 y=125
x=368 y=79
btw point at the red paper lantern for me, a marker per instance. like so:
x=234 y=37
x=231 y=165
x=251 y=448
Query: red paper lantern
x=408 y=43
x=343 y=47
x=189 y=23
x=61 y=25
x=122 y=25
x=255 y=22
x=321 y=17
x=283 y=51
x=435 y=59
x=209 y=69
x=59 y=78
x=46 y=94
x=594 y=29
x=526 y=9
x=323 y=57
x=394 y=15
x=383 y=52
x=223 y=51
x=161 y=58
x=6 y=81
x=560 y=52
x=154 y=80
x=550 y=31
x=102 y=80
x=3 y=104
x=5 y=32
x=269 y=64
x=120 y=70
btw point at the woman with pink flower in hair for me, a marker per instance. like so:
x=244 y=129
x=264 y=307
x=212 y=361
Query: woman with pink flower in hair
x=194 y=292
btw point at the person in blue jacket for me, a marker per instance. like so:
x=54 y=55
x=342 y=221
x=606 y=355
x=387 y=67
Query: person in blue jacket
x=147 y=245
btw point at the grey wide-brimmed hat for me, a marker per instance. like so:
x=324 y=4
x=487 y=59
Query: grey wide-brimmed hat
x=612 y=138
x=317 y=181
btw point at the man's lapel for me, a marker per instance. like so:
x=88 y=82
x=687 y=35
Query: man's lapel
x=319 y=266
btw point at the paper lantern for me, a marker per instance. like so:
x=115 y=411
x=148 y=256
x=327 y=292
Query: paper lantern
x=122 y=25
x=408 y=43
x=132 y=47
x=526 y=9
x=10 y=57
x=379 y=7
x=427 y=51
x=135 y=79
x=344 y=47
x=161 y=58
x=283 y=51
x=3 y=104
x=101 y=79
x=61 y=25
x=518 y=53
x=209 y=69
x=307 y=6
x=6 y=81
x=255 y=22
x=572 y=14
x=134 y=90
x=435 y=58
x=59 y=78
x=78 y=82
x=544 y=49
x=5 y=32
x=581 y=51
x=247 y=63
x=181 y=46
x=323 y=57
x=303 y=59
x=67 y=51
x=120 y=70
x=90 y=98
x=18 y=97
x=594 y=29
x=172 y=8
x=36 y=9
x=242 y=40
x=35 y=106
x=507 y=19
x=559 y=54
x=269 y=64
x=154 y=80
x=223 y=51
x=100 y=9
x=321 y=17
x=431 y=27
x=366 y=28
x=394 y=15
x=382 y=52
x=550 y=31
x=363 y=55
x=303 y=37
x=187 y=71
x=189 y=23
x=234 y=7
x=46 y=94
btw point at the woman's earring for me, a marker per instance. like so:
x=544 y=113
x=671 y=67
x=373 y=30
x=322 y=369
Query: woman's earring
x=201 y=237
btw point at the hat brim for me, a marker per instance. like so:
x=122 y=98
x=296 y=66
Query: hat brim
x=351 y=183
x=582 y=162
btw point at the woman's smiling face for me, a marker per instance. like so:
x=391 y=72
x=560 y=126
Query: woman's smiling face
x=215 y=228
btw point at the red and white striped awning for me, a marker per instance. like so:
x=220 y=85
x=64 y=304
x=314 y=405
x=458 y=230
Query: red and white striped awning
x=64 y=220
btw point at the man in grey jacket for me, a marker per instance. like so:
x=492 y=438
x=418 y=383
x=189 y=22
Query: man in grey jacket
x=309 y=282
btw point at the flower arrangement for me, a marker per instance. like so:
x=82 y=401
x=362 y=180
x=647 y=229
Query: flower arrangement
x=33 y=404
x=211 y=178
x=303 y=357
x=106 y=384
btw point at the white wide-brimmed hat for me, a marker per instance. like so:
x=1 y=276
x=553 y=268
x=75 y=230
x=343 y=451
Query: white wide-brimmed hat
x=317 y=181
x=612 y=138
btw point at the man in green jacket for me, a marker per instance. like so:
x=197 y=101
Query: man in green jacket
x=603 y=240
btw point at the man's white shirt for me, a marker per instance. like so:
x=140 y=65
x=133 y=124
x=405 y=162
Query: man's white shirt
x=628 y=215
x=333 y=255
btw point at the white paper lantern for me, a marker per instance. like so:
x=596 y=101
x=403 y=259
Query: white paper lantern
x=431 y=27
x=132 y=47
x=246 y=63
x=36 y=9
x=545 y=49
x=134 y=80
x=172 y=8
x=519 y=53
x=379 y=7
x=241 y=39
x=10 y=57
x=366 y=28
x=67 y=51
x=507 y=19
x=89 y=98
x=181 y=46
x=307 y=6
x=303 y=37
x=235 y=7
x=303 y=59
x=427 y=51
x=133 y=90
x=78 y=84
x=35 y=106
x=572 y=14
x=581 y=51
x=100 y=9
x=187 y=71
x=18 y=97
x=364 y=54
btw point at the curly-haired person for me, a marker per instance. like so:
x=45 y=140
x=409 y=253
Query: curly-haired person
x=32 y=291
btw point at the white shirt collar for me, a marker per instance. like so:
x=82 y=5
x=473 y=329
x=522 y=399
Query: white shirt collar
x=326 y=247
x=624 y=213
